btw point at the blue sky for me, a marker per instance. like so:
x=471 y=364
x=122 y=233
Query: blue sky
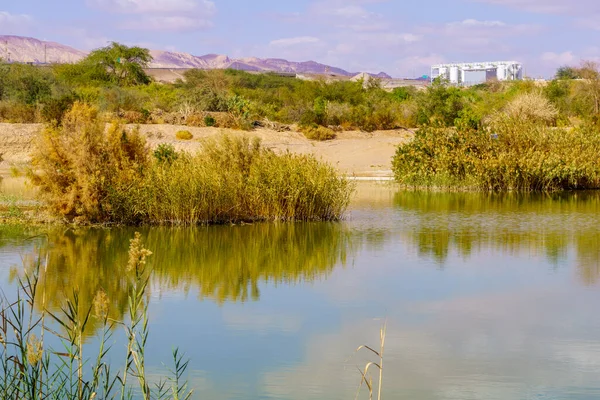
x=402 y=38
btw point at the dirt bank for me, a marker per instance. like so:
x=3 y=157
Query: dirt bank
x=353 y=153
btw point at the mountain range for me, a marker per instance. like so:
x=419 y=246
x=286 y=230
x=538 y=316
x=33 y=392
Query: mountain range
x=31 y=50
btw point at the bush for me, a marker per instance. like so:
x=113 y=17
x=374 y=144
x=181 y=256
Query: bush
x=319 y=133
x=84 y=171
x=531 y=107
x=209 y=120
x=184 y=135
x=165 y=153
x=519 y=156
x=54 y=109
x=87 y=173
x=234 y=179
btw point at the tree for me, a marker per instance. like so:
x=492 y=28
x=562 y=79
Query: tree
x=590 y=84
x=121 y=64
x=567 y=72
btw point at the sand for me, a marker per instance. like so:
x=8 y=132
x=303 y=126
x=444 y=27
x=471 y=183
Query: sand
x=353 y=153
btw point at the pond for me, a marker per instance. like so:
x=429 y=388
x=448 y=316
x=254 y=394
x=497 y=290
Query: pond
x=485 y=296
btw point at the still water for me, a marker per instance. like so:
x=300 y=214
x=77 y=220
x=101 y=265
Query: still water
x=486 y=297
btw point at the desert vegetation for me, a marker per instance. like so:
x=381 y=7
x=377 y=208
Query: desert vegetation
x=112 y=79
x=544 y=139
x=89 y=173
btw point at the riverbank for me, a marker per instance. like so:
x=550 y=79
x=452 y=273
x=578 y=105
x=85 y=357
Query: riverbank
x=352 y=153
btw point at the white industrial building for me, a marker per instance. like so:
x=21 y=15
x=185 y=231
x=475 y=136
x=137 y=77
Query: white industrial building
x=474 y=73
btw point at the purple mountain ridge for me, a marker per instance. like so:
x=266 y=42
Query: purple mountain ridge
x=31 y=50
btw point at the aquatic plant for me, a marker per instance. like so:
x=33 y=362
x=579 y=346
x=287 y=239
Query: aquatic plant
x=516 y=156
x=32 y=368
x=87 y=173
x=365 y=375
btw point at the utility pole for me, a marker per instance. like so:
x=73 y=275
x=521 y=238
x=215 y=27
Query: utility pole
x=45 y=54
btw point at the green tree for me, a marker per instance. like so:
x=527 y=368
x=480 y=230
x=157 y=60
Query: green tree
x=567 y=72
x=121 y=64
x=589 y=88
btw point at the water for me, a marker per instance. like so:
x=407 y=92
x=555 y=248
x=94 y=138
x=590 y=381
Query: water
x=486 y=297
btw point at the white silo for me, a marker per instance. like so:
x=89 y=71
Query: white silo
x=454 y=74
x=501 y=72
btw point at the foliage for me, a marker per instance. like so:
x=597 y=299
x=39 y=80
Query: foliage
x=184 y=135
x=319 y=133
x=531 y=107
x=165 y=153
x=83 y=170
x=442 y=105
x=521 y=155
x=567 y=72
x=234 y=179
x=32 y=368
x=113 y=80
x=87 y=173
x=209 y=120
x=55 y=108
x=121 y=64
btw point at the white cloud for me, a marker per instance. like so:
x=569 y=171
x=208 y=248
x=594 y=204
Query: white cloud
x=168 y=23
x=565 y=58
x=476 y=23
x=294 y=41
x=161 y=15
x=154 y=6
x=14 y=23
x=573 y=7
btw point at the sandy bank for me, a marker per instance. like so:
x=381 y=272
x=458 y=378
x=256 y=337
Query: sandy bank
x=352 y=153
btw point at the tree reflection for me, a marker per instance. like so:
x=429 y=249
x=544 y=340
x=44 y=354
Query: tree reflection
x=547 y=225
x=224 y=264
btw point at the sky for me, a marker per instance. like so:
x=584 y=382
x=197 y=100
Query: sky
x=401 y=38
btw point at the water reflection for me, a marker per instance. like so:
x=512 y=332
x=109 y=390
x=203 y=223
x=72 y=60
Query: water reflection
x=224 y=264
x=546 y=225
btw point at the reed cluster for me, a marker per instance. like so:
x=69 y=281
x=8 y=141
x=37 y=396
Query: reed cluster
x=514 y=155
x=43 y=354
x=91 y=174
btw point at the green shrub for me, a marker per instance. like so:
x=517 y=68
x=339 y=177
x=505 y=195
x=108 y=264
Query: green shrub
x=55 y=108
x=184 y=135
x=518 y=156
x=209 y=120
x=319 y=133
x=165 y=153
x=87 y=173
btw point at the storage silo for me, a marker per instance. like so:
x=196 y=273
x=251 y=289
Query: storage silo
x=453 y=74
x=501 y=72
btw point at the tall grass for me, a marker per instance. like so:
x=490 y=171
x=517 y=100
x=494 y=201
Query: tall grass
x=516 y=156
x=89 y=174
x=234 y=179
x=31 y=368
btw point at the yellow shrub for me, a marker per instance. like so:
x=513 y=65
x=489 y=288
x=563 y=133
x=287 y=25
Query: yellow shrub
x=319 y=133
x=184 y=135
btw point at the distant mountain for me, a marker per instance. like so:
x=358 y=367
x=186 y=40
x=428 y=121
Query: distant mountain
x=24 y=49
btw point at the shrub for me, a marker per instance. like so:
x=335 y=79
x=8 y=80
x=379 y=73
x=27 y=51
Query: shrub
x=319 y=133
x=519 y=156
x=209 y=120
x=531 y=107
x=235 y=179
x=55 y=108
x=85 y=171
x=184 y=135
x=165 y=153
